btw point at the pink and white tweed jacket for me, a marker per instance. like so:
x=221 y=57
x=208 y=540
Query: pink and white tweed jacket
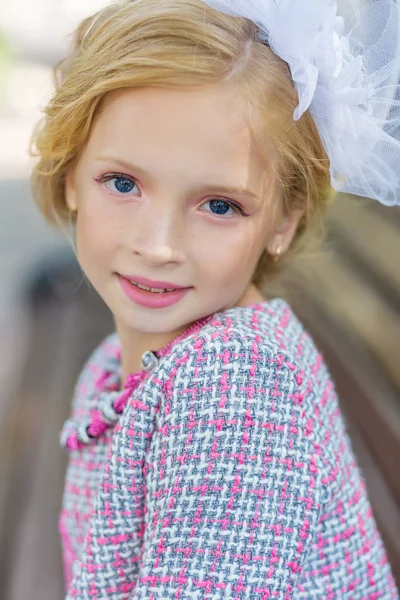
x=229 y=474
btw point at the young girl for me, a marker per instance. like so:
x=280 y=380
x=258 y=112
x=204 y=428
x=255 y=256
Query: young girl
x=208 y=454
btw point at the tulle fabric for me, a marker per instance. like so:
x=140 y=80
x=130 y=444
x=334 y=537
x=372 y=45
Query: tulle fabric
x=344 y=58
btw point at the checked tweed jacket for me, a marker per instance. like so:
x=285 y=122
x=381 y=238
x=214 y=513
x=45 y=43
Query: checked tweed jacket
x=228 y=475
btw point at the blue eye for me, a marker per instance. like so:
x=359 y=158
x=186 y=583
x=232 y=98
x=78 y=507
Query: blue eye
x=123 y=185
x=221 y=207
x=118 y=183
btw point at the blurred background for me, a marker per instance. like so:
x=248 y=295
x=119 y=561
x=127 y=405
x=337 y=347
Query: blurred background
x=50 y=320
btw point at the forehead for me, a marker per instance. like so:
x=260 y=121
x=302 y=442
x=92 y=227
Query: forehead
x=205 y=128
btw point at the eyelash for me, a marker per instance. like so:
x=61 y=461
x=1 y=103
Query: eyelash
x=105 y=178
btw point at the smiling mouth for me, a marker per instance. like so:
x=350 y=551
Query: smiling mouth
x=151 y=297
x=152 y=290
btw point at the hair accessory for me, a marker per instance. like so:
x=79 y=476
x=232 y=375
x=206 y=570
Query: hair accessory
x=344 y=57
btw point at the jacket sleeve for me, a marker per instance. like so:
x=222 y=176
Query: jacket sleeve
x=233 y=485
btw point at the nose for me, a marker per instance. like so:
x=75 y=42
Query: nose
x=159 y=236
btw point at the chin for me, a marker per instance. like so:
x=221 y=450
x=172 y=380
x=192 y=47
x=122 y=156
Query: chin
x=148 y=321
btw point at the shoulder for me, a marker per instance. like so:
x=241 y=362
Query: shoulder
x=267 y=334
x=272 y=325
x=232 y=388
x=258 y=363
x=238 y=355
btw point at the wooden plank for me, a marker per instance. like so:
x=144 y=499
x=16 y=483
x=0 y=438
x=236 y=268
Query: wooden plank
x=370 y=243
x=63 y=335
x=365 y=313
x=364 y=391
x=385 y=508
x=23 y=448
x=40 y=514
x=391 y=213
x=369 y=233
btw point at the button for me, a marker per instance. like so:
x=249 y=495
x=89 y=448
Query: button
x=149 y=361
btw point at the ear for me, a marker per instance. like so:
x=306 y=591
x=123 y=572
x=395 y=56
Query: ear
x=70 y=191
x=284 y=232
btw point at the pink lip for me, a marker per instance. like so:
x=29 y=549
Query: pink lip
x=151 y=299
x=154 y=284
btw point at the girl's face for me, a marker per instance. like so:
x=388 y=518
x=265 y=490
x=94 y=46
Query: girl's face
x=171 y=188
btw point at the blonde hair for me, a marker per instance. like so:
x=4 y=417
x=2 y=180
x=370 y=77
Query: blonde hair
x=181 y=43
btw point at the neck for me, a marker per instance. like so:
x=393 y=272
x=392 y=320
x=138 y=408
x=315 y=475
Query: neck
x=135 y=343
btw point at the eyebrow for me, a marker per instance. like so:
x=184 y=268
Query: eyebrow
x=217 y=188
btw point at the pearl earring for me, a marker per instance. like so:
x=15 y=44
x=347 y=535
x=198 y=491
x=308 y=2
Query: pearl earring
x=278 y=253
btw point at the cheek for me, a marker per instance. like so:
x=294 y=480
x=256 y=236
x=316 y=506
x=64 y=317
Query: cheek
x=229 y=254
x=97 y=227
x=96 y=238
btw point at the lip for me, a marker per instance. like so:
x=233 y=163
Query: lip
x=153 y=284
x=150 y=299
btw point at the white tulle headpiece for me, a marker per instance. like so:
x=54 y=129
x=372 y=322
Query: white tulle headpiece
x=344 y=57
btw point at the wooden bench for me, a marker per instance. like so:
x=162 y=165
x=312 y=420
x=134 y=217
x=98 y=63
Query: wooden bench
x=349 y=301
x=67 y=321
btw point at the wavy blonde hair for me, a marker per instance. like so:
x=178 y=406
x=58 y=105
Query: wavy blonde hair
x=182 y=43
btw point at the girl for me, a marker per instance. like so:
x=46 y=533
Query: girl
x=208 y=455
